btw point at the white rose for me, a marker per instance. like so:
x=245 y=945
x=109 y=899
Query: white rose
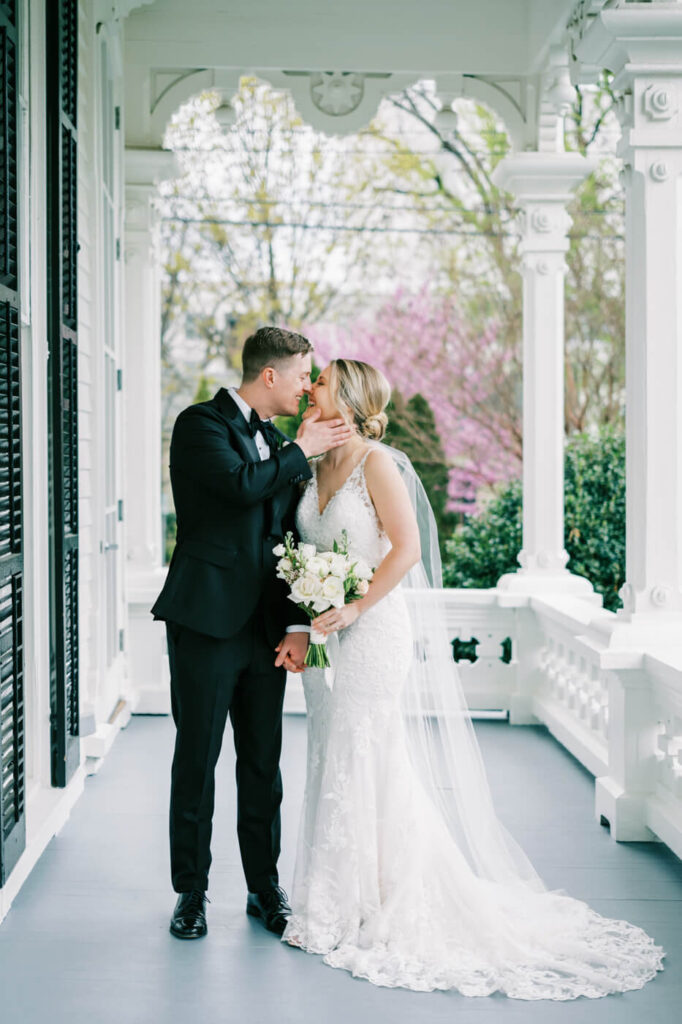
x=306 y=551
x=279 y=550
x=361 y=570
x=316 y=566
x=361 y=587
x=305 y=589
x=332 y=589
x=338 y=565
x=284 y=567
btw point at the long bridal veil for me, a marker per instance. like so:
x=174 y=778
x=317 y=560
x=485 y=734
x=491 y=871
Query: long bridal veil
x=405 y=874
x=540 y=943
x=441 y=741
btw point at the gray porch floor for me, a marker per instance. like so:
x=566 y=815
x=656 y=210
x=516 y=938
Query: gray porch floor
x=87 y=938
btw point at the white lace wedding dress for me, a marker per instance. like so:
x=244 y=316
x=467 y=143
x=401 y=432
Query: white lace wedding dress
x=381 y=887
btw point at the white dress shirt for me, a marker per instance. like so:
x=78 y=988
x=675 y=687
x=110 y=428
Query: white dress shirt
x=264 y=452
x=261 y=444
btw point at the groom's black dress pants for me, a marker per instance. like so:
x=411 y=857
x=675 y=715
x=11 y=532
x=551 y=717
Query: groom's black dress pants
x=209 y=678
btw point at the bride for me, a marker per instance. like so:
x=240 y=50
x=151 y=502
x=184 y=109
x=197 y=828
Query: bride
x=404 y=874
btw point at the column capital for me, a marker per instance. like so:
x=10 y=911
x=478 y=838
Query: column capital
x=116 y=10
x=543 y=184
x=629 y=39
x=542 y=176
x=144 y=170
x=148 y=167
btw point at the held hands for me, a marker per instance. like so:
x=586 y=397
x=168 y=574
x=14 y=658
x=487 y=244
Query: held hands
x=315 y=437
x=291 y=651
x=336 y=618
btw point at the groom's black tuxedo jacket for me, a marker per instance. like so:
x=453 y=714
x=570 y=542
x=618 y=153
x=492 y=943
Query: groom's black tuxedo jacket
x=232 y=509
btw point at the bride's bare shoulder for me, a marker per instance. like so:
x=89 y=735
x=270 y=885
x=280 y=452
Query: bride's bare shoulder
x=380 y=469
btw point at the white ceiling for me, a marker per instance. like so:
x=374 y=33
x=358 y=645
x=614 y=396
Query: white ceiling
x=482 y=37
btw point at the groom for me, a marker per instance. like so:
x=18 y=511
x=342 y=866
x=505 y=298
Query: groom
x=232 y=633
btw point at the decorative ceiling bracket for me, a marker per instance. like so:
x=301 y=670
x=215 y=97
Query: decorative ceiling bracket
x=512 y=98
x=115 y=10
x=337 y=93
x=336 y=102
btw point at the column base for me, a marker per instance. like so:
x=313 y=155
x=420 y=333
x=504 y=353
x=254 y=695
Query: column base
x=567 y=584
x=96 y=746
x=521 y=710
x=147 y=651
x=625 y=812
x=645 y=631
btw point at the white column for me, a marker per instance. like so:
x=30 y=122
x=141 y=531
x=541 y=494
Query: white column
x=142 y=395
x=543 y=184
x=642 y=45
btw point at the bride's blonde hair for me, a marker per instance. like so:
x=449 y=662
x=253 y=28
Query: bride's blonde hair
x=365 y=393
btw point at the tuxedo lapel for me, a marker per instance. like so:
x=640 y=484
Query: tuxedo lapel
x=277 y=506
x=232 y=414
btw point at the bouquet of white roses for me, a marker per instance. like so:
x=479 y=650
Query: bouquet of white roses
x=321 y=580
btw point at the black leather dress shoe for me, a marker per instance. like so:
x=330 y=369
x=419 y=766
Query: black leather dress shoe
x=271 y=907
x=189 y=917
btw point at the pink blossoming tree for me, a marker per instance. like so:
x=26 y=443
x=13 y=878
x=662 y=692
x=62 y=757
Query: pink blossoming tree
x=472 y=384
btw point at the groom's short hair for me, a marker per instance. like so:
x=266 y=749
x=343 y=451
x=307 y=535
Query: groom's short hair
x=268 y=347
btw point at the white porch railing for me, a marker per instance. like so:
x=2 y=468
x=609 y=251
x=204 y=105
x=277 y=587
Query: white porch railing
x=619 y=712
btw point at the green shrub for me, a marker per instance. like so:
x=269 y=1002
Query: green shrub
x=412 y=429
x=486 y=546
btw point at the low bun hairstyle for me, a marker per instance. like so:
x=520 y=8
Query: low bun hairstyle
x=365 y=393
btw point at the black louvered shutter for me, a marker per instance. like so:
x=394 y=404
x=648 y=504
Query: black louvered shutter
x=12 y=791
x=62 y=268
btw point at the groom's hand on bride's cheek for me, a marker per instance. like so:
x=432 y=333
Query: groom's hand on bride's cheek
x=291 y=651
x=316 y=436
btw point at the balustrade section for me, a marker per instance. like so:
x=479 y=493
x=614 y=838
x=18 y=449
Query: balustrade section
x=558 y=661
x=572 y=693
x=663 y=812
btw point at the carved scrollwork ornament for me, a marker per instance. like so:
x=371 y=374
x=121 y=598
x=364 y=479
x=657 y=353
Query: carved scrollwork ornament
x=661 y=594
x=658 y=102
x=336 y=93
x=541 y=221
x=659 y=171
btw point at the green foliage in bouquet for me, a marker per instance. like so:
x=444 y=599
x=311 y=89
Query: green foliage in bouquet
x=486 y=545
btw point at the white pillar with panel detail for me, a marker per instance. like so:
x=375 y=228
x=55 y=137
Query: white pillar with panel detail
x=644 y=50
x=543 y=184
x=642 y=650
x=148 y=662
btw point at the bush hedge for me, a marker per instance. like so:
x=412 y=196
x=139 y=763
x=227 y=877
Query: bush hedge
x=486 y=545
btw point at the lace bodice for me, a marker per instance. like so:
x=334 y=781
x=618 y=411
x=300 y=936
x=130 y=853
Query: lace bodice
x=351 y=509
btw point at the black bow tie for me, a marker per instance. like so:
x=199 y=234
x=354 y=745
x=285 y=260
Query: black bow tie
x=267 y=429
